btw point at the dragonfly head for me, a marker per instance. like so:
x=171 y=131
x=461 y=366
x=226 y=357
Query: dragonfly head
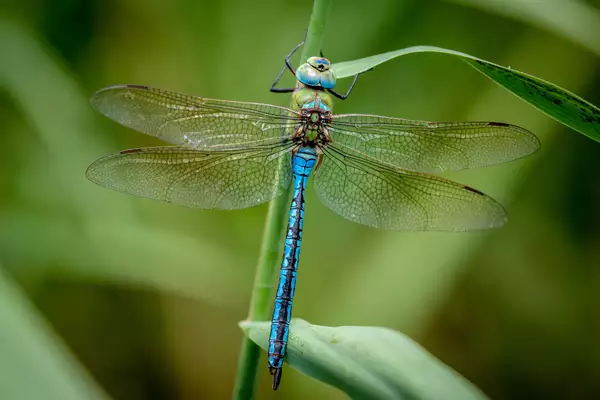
x=316 y=72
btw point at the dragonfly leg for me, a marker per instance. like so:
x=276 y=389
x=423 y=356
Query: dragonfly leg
x=288 y=65
x=326 y=137
x=344 y=96
x=299 y=134
x=280 y=90
x=319 y=158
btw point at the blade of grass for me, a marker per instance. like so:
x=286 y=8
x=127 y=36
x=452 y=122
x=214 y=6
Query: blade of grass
x=368 y=362
x=560 y=104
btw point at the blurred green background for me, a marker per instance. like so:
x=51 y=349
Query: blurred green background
x=107 y=295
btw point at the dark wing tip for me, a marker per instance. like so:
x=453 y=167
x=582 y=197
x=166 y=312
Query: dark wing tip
x=532 y=141
x=130 y=151
x=133 y=86
x=496 y=211
x=474 y=190
x=500 y=217
x=97 y=172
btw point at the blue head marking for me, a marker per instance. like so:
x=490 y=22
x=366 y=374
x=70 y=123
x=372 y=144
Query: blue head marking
x=321 y=63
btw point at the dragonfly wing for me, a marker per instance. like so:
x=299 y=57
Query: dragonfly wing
x=383 y=197
x=210 y=180
x=431 y=146
x=194 y=121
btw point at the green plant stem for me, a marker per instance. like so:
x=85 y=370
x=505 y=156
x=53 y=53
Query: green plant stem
x=316 y=29
x=268 y=263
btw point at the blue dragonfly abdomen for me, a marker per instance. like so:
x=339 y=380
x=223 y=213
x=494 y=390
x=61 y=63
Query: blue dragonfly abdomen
x=303 y=163
x=313 y=105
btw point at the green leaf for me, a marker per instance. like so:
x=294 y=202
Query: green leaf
x=34 y=363
x=559 y=103
x=367 y=362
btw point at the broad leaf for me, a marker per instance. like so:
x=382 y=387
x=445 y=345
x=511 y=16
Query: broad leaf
x=553 y=100
x=367 y=362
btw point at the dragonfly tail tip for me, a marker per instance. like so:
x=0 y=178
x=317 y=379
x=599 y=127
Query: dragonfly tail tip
x=276 y=372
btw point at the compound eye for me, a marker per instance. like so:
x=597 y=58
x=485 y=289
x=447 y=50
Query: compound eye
x=307 y=75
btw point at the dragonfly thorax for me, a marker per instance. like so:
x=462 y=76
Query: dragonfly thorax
x=314 y=109
x=312 y=129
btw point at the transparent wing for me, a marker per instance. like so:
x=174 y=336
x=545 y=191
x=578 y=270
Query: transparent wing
x=382 y=197
x=431 y=146
x=211 y=180
x=193 y=121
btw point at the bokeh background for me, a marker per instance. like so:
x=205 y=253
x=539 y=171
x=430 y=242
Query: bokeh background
x=107 y=295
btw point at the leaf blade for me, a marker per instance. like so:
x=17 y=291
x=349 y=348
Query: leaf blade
x=556 y=102
x=367 y=362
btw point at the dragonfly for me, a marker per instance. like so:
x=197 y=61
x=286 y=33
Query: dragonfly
x=373 y=170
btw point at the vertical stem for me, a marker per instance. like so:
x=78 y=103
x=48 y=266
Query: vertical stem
x=316 y=29
x=268 y=262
